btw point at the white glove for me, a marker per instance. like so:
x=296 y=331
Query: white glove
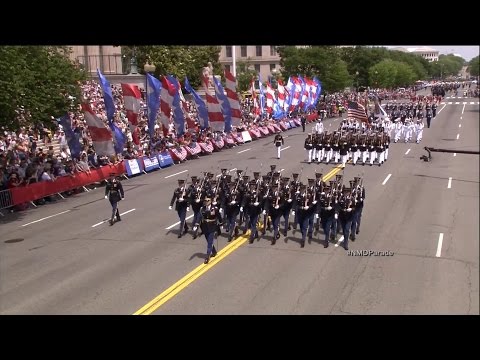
x=277 y=207
x=256 y=203
x=214 y=203
x=169 y=208
x=329 y=208
x=220 y=210
x=197 y=201
x=264 y=212
x=316 y=216
x=293 y=212
x=297 y=192
x=123 y=198
x=336 y=216
x=241 y=208
x=349 y=209
x=106 y=197
x=289 y=200
x=314 y=202
x=194 y=228
x=188 y=208
x=233 y=202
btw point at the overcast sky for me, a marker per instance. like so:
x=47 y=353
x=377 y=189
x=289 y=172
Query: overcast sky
x=467 y=52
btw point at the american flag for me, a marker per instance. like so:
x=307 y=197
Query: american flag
x=357 y=111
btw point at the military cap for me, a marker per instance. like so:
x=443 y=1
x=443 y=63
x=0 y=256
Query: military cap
x=246 y=177
x=181 y=181
x=318 y=175
x=273 y=167
x=256 y=173
x=194 y=178
x=295 y=175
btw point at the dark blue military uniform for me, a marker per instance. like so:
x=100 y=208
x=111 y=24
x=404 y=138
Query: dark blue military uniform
x=114 y=193
x=210 y=222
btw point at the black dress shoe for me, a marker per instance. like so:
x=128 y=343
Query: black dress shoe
x=345 y=247
x=229 y=238
x=194 y=236
x=356 y=232
x=302 y=244
x=353 y=238
x=325 y=246
x=214 y=254
x=179 y=235
x=110 y=222
x=206 y=260
x=278 y=236
x=285 y=233
x=274 y=241
x=118 y=218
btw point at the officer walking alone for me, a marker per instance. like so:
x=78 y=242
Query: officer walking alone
x=278 y=141
x=114 y=193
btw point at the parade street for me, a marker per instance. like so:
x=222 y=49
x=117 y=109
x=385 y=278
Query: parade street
x=420 y=221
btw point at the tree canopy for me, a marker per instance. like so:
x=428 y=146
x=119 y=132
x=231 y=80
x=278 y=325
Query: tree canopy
x=179 y=61
x=473 y=66
x=36 y=84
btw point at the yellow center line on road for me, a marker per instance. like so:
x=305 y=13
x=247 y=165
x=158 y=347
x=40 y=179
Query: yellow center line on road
x=181 y=284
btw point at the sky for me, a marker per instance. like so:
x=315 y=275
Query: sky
x=467 y=52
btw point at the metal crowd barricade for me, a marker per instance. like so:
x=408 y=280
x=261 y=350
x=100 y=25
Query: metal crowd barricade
x=6 y=200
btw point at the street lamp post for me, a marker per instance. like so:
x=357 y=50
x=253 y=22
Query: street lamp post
x=356 y=80
x=133 y=63
x=376 y=79
x=148 y=68
x=274 y=76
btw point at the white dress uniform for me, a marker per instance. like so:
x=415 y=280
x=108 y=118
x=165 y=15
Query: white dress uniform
x=419 y=130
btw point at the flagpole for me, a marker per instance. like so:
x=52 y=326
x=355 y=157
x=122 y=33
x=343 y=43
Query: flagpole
x=234 y=65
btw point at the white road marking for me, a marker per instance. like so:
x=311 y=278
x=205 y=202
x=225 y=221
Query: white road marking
x=45 y=218
x=449 y=103
x=442 y=103
x=463 y=110
x=449 y=186
x=339 y=241
x=407 y=151
x=458 y=135
x=454 y=154
x=439 y=246
x=282 y=170
x=181 y=172
x=243 y=151
x=459 y=125
x=472 y=103
x=457 y=103
x=464 y=102
x=461 y=117
x=121 y=214
x=177 y=223
x=285 y=148
x=386 y=179
x=232 y=170
x=441 y=109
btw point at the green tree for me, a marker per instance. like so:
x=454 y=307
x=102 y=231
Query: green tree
x=383 y=74
x=244 y=75
x=473 y=66
x=179 y=61
x=36 y=84
x=321 y=61
x=405 y=75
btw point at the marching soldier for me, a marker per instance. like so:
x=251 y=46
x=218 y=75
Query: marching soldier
x=419 y=130
x=308 y=147
x=278 y=141
x=359 y=199
x=196 y=195
x=274 y=207
x=210 y=222
x=114 y=193
x=346 y=215
x=253 y=205
x=180 y=198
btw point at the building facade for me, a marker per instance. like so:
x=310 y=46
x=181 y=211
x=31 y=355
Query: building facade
x=107 y=58
x=427 y=53
x=264 y=59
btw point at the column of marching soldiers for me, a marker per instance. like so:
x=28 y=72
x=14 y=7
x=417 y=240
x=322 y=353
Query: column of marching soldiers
x=259 y=204
x=369 y=143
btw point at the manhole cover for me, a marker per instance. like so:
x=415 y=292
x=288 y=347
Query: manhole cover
x=13 y=240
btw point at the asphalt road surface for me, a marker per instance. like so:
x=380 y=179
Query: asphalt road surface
x=64 y=258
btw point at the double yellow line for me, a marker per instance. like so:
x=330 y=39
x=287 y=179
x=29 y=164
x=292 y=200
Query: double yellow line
x=203 y=268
